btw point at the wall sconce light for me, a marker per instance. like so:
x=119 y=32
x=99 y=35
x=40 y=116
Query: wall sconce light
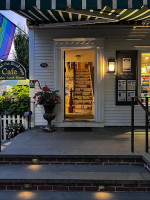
x=111 y=65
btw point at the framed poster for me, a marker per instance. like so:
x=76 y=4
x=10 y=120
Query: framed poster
x=131 y=84
x=126 y=64
x=121 y=84
x=126 y=76
x=121 y=95
x=130 y=94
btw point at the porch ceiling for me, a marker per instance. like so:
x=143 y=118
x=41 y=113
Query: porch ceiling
x=93 y=11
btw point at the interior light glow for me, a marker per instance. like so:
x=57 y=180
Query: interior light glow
x=147 y=58
x=143 y=70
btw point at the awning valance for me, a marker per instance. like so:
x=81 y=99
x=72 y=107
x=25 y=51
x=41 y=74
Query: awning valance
x=85 y=11
x=75 y=4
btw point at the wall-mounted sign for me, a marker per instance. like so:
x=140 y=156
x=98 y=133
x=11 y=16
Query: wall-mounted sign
x=126 y=64
x=11 y=70
x=121 y=84
x=32 y=84
x=44 y=65
x=126 y=77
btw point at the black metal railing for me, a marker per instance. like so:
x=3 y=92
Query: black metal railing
x=147 y=114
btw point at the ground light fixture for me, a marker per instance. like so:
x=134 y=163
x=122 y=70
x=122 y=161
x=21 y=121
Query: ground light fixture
x=28 y=186
x=35 y=160
x=111 y=65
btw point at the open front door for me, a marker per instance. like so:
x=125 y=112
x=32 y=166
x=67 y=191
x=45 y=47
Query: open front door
x=79 y=85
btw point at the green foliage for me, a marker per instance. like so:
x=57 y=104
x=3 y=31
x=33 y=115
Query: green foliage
x=21 y=43
x=14 y=129
x=15 y=102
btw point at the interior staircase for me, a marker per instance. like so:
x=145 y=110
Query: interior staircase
x=83 y=92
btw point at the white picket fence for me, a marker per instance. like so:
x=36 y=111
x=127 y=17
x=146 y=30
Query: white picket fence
x=7 y=119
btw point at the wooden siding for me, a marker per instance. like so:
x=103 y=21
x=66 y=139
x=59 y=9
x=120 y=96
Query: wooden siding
x=115 y=39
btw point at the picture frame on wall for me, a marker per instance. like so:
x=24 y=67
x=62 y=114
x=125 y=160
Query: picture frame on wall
x=121 y=84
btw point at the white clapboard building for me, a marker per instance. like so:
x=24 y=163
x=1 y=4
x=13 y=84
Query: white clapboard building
x=96 y=53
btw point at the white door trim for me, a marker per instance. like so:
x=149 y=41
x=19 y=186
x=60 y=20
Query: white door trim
x=80 y=44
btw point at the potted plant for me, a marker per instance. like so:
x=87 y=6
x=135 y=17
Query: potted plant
x=48 y=99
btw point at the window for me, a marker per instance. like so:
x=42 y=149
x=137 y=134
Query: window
x=145 y=74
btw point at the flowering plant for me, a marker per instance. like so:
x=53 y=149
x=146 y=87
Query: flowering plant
x=13 y=129
x=46 y=96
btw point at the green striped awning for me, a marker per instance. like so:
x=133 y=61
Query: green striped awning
x=100 y=11
x=76 y=4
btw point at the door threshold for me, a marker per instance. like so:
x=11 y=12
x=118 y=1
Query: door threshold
x=84 y=120
x=79 y=124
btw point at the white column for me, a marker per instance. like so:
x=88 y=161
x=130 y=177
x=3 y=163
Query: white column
x=99 y=84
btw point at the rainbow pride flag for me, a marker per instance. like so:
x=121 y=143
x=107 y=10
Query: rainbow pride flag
x=7 y=31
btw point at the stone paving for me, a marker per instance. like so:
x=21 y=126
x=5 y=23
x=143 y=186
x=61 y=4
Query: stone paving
x=76 y=141
x=45 y=195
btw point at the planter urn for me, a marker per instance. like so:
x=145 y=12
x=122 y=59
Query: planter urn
x=49 y=115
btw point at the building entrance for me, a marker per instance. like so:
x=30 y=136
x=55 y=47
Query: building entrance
x=79 y=85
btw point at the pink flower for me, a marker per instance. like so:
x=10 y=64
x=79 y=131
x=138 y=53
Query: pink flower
x=34 y=97
x=53 y=97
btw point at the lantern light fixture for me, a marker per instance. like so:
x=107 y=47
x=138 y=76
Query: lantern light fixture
x=111 y=65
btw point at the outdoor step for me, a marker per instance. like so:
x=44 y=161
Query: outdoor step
x=46 y=195
x=74 y=177
x=120 y=174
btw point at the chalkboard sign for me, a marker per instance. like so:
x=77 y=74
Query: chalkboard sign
x=126 y=77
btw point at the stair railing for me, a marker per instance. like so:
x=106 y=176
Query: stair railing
x=74 y=81
x=147 y=114
x=71 y=102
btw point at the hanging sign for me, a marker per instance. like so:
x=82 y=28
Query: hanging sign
x=126 y=78
x=11 y=70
